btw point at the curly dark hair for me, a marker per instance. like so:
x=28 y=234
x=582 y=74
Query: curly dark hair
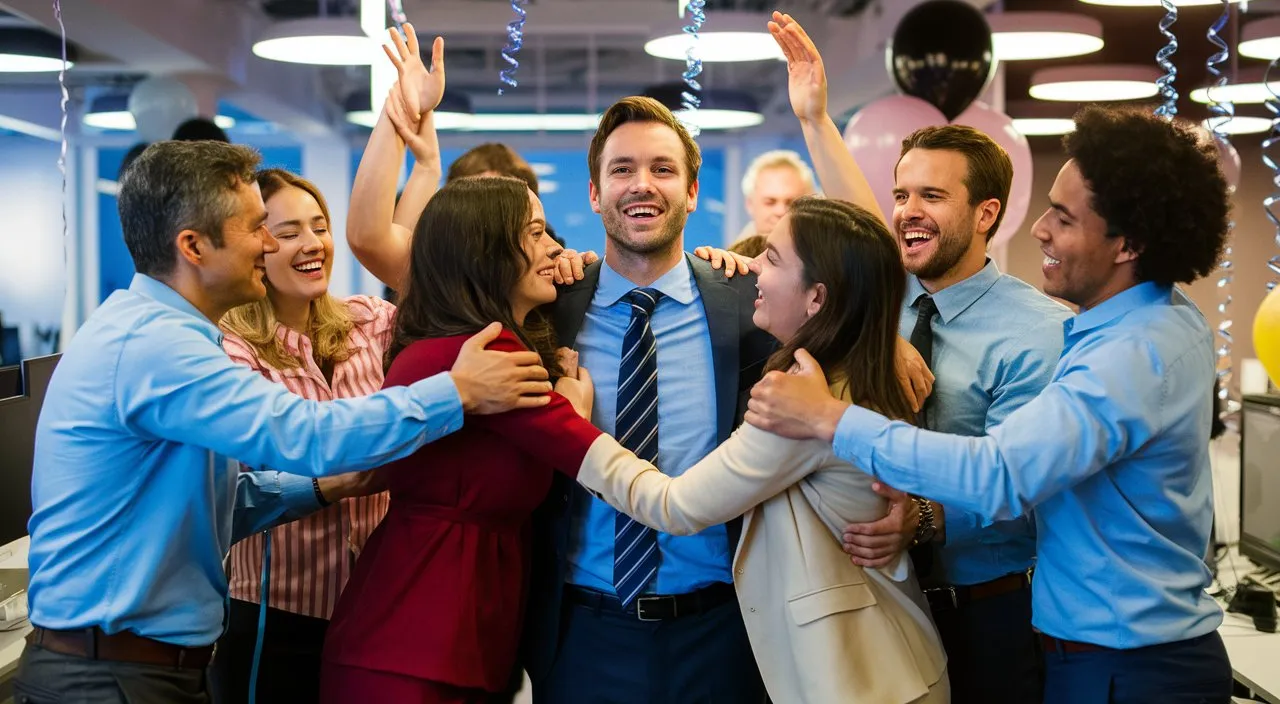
x=1158 y=185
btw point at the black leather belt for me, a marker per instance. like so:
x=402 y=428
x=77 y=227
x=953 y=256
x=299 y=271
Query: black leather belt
x=654 y=607
x=947 y=598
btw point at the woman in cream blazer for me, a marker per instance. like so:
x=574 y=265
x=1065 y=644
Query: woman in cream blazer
x=824 y=631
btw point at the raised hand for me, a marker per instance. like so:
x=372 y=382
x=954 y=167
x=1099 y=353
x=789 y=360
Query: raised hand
x=421 y=89
x=806 y=76
x=413 y=134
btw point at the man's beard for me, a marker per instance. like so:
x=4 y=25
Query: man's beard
x=615 y=227
x=949 y=249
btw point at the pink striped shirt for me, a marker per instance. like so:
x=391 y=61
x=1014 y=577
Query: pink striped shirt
x=312 y=557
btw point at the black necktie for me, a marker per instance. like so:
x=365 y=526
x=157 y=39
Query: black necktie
x=922 y=338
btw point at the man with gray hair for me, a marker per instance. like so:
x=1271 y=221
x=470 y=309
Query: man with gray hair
x=772 y=181
x=136 y=495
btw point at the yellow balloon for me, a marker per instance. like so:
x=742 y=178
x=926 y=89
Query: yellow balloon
x=1266 y=334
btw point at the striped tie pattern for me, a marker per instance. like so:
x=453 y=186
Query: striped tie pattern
x=635 y=550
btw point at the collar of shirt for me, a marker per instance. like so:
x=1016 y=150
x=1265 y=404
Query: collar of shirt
x=162 y=293
x=956 y=298
x=676 y=284
x=1130 y=299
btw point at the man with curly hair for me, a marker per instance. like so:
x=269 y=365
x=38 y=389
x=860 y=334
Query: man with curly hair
x=1113 y=454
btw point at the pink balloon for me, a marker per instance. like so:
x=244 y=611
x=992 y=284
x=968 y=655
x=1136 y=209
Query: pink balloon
x=874 y=136
x=999 y=127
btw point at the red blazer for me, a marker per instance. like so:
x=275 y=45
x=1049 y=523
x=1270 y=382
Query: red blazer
x=439 y=591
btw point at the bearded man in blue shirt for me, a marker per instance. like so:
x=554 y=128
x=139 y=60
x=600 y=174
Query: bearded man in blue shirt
x=135 y=490
x=1113 y=454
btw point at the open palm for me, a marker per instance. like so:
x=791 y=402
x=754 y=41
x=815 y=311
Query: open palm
x=806 y=76
x=420 y=89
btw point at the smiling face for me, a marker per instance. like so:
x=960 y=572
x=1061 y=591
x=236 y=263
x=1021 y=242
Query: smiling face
x=644 y=194
x=537 y=285
x=935 y=224
x=1082 y=264
x=232 y=274
x=299 y=271
x=784 y=301
x=775 y=189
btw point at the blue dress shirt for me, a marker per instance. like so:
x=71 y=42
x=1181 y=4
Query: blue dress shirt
x=686 y=427
x=133 y=484
x=996 y=340
x=1114 y=457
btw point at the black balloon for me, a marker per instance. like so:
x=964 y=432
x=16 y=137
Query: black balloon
x=941 y=53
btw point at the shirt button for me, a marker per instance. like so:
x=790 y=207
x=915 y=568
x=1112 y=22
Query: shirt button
x=739 y=571
x=753 y=610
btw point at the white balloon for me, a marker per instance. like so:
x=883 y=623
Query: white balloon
x=159 y=105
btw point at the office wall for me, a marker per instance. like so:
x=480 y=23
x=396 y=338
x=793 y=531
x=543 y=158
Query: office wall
x=32 y=267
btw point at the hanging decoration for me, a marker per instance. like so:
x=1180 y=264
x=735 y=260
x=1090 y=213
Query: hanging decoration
x=696 y=10
x=515 y=39
x=66 y=98
x=1220 y=113
x=1169 y=108
x=396 y=8
x=1268 y=157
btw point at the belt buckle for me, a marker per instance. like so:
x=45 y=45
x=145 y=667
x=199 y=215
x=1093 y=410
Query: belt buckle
x=640 y=602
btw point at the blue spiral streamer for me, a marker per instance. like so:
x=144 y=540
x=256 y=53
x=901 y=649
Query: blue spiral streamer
x=1221 y=112
x=62 y=153
x=397 y=11
x=696 y=9
x=1268 y=157
x=1169 y=107
x=515 y=40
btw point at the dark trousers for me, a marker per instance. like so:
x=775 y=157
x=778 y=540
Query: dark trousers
x=610 y=657
x=993 y=655
x=46 y=677
x=1194 y=671
x=290 y=669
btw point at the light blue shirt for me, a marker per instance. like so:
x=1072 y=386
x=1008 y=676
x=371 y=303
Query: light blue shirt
x=133 y=484
x=1114 y=457
x=996 y=340
x=686 y=426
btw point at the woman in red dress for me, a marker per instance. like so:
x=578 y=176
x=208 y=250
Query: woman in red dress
x=433 y=610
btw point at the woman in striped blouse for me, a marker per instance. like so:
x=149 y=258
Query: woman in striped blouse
x=321 y=347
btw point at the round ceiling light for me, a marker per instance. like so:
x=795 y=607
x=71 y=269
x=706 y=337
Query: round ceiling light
x=1261 y=39
x=1239 y=124
x=735 y=36
x=1098 y=83
x=717 y=110
x=324 y=41
x=111 y=112
x=25 y=50
x=1042 y=126
x=1019 y=36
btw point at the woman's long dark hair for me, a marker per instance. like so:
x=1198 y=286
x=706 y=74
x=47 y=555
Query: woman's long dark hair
x=855 y=333
x=464 y=262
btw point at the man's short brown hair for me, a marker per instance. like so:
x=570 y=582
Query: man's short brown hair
x=495 y=157
x=990 y=171
x=638 y=108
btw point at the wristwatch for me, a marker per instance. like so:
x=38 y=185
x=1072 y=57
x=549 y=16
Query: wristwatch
x=926 y=529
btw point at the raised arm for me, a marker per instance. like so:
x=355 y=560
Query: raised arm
x=807 y=83
x=748 y=468
x=379 y=233
x=424 y=179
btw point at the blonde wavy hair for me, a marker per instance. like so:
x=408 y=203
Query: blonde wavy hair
x=256 y=322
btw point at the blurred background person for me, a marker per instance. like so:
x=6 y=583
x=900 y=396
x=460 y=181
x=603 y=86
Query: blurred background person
x=772 y=182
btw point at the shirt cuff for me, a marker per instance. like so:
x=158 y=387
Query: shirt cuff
x=857 y=430
x=443 y=404
x=296 y=493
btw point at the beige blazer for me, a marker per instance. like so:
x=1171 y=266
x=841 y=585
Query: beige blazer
x=823 y=630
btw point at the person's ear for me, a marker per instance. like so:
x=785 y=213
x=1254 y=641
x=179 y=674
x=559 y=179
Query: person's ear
x=191 y=245
x=817 y=297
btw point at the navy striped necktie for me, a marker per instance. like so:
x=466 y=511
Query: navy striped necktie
x=635 y=549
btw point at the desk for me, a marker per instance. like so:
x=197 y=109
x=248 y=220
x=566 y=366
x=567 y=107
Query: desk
x=1255 y=656
x=12 y=642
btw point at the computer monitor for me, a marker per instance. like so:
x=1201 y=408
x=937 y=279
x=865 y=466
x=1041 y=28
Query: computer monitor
x=18 y=416
x=1260 y=480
